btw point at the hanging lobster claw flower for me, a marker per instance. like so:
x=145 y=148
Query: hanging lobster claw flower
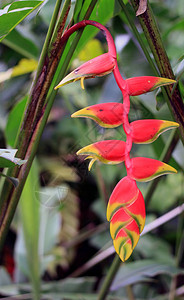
x=144 y=84
x=98 y=66
x=108 y=152
x=147 y=131
x=108 y=115
x=146 y=169
x=126 y=213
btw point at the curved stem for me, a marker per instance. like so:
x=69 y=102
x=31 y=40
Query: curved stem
x=109 y=278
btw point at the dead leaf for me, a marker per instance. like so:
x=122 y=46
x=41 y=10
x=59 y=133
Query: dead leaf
x=142 y=7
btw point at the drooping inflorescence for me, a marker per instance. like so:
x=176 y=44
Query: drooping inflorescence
x=126 y=208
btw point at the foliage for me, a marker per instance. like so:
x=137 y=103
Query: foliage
x=52 y=246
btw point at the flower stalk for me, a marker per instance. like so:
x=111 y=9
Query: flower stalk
x=126 y=209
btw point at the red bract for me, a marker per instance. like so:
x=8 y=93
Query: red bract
x=146 y=169
x=126 y=209
x=107 y=115
x=98 y=66
x=144 y=84
x=126 y=213
x=147 y=131
x=108 y=152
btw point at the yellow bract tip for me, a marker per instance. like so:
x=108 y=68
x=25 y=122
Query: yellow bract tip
x=91 y=163
x=82 y=83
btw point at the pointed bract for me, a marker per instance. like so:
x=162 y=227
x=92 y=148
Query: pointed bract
x=124 y=193
x=126 y=213
x=146 y=169
x=108 y=115
x=108 y=152
x=144 y=84
x=98 y=66
x=147 y=131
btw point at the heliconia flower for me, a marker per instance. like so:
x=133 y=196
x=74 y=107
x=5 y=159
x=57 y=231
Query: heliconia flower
x=126 y=213
x=144 y=84
x=98 y=66
x=108 y=115
x=108 y=152
x=147 y=131
x=146 y=169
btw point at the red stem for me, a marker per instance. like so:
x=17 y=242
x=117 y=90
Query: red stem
x=84 y=23
x=119 y=79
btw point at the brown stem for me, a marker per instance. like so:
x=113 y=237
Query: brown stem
x=153 y=37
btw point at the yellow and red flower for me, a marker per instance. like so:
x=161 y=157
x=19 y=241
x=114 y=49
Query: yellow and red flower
x=146 y=169
x=147 y=131
x=98 y=66
x=126 y=213
x=107 y=152
x=126 y=208
x=144 y=84
x=108 y=115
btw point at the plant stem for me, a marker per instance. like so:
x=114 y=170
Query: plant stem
x=152 y=34
x=34 y=121
x=109 y=278
x=130 y=292
x=26 y=143
x=48 y=37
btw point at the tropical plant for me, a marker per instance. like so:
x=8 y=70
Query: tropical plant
x=56 y=225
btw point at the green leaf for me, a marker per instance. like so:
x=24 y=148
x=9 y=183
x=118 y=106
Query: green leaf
x=14 y=121
x=143 y=270
x=72 y=285
x=14 y=13
x=18 y=41
x=92 y=49
x=29 y=213
x=167 y=190
x=78 y=6
x=8 y=159
x=149 y=245
x=159 y=99
x=24 y=66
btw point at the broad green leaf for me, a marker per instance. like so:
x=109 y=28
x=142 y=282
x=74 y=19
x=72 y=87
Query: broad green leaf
x=14 y=13
x=29 y=213
x=175 y=26
x=8 y=159
x=92 y=49
x=149 y=245
x=18 y=41
x=72 y=285
x=14 y=121
x=168 y=192
x=143 y=270
x=24 y=66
